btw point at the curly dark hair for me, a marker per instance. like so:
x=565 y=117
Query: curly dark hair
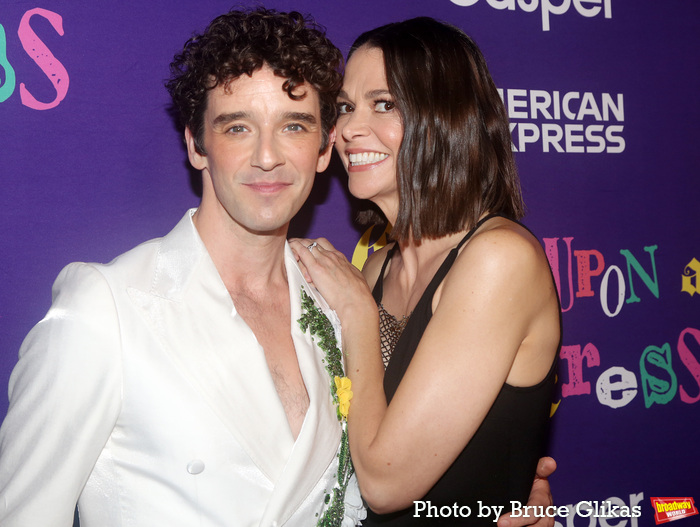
x=241 y=42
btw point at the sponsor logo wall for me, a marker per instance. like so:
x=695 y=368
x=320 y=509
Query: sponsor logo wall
x=602 y=97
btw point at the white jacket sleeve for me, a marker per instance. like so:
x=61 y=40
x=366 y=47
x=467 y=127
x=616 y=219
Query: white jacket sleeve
x=65 y=397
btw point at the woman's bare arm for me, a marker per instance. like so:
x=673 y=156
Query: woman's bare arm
x=487 y=308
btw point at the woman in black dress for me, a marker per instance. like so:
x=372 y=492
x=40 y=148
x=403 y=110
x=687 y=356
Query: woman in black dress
x=469 y=318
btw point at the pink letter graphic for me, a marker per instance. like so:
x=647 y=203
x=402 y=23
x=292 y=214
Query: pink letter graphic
x=583 y=263
x=43 y=57
x=550 y=248
x=690 y=362
x=574 y=357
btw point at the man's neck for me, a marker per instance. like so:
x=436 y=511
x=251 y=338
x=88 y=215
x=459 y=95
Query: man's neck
x=244 y=259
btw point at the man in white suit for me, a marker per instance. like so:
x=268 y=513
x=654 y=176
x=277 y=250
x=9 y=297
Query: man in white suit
x=173 y=386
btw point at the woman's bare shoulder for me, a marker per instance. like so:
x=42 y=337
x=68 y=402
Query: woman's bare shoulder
x=501 y=252
x=502 y=242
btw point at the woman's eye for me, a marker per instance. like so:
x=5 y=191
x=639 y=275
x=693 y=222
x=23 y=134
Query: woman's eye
x=344 y=108
x=384 y=106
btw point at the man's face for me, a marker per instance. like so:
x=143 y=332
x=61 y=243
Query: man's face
x=262 y=153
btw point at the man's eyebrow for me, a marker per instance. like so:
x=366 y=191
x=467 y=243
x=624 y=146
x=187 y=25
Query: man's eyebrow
x=301 y=116
x=304 y=117
x=228 y=117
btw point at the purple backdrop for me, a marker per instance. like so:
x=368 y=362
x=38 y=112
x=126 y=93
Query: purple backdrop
x=601 y=96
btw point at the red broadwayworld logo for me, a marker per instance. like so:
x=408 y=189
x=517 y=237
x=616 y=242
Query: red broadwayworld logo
x=670 y=509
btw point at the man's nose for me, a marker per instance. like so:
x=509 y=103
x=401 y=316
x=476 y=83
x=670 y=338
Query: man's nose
x=268 y=153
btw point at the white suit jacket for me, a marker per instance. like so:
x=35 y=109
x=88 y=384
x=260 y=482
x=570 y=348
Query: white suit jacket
x=144 y=396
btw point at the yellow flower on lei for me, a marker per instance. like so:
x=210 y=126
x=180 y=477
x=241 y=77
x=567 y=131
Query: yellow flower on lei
x=344 y=393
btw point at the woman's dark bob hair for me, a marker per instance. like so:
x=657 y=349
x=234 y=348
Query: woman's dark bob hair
x=455 y=162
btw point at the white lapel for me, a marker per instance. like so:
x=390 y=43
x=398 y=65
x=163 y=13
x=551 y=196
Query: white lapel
x=319 y=437
x=192 y=314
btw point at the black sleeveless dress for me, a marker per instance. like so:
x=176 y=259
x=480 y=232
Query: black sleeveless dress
x=498 y=464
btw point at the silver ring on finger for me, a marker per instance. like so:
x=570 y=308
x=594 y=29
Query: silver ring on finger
x=311 y=247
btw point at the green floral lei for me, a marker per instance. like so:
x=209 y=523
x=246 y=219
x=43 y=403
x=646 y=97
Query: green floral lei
x=322 y=332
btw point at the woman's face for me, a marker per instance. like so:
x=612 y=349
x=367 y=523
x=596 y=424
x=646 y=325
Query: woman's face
x=369 y=131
